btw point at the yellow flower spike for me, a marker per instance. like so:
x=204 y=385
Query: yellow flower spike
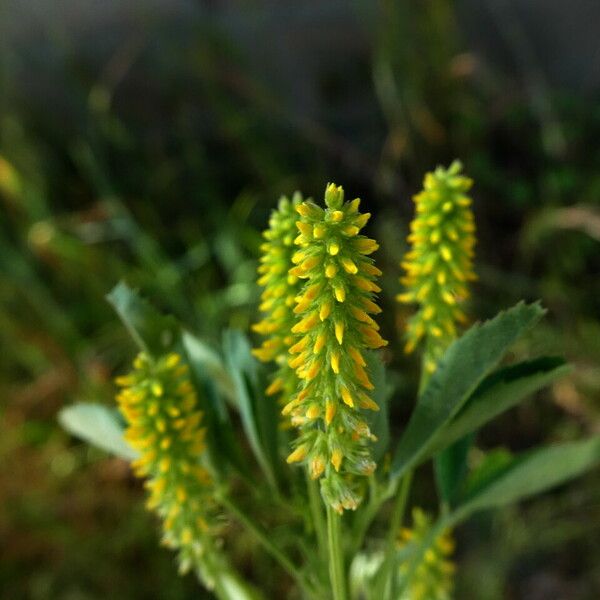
x=333 y=440
x=165 y=428
x=299 y=346
x=319 y=343
x=330 y=410
x=319 y=232
x=306 y=324
x=298 y=454
x=367 y=403
x=336 y=459
x=325 y=310
x=317 y=467
x=356 y=356
x=433 y=578
x=281 y=285
x=346 y=397
x=335 y=361
x=330 y=271
x=308 y=263
x=305 y=229
x=313 y=371
x=349 y=266
x=439 y=261
x=313 y=411
x=340 y=293
x=334 y=248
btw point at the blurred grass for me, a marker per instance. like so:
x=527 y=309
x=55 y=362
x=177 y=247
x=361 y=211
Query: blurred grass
x=156 y=157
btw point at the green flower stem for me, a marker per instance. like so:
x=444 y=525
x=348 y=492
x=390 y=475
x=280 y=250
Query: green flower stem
x=261 y=537
x=214 y=571
x=367 y=514
x=394 y=526
x=336 y=558
x=316 y=509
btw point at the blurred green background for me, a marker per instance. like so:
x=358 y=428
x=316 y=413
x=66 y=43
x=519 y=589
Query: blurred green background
x=148 y=140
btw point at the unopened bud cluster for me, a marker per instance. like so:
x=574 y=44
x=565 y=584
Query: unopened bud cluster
x=433 y=578
x=278 y=297
x=332 y=331
x=440 y=263
x=160 y=406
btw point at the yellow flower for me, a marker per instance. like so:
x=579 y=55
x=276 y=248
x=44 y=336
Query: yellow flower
x=160 y=407
x=332 y=331
x=433 y=579
x=439 y=264
x=278 y=297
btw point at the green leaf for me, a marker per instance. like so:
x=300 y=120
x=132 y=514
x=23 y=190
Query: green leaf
x=465 y=364
x=152 y=331
x=212 y=380
x=208 y=361
x=235 y=588
x=379 y=421
x=451 y=468
x=498 y=392
x=259 y=412
x=98 y=425
x=503 y=480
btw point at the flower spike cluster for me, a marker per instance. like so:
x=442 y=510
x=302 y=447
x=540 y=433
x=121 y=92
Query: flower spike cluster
x=278 y=297
x=160 y=406
x=333 y=329
x=440 y=262
x=433 y=579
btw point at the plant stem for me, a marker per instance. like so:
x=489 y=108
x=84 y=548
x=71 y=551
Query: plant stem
x=261 y=536
x=395 y=523
x=366 y=515
x=336 y=558
x=316 y=510
x=213 y=571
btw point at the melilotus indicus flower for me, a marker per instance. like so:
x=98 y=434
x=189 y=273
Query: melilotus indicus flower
x=278 y=297
x=333 y=329
x=440 y=262
x=433 y=578
x=160 y=406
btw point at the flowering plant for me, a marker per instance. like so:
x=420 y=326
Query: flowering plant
x=300 y=456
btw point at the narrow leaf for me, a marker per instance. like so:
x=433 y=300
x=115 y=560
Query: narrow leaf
x=512 y=479
x=152 y=331
x=451 y=468
x=204 y=358
x=379 y=421
x=98 y=425
x=259 y=412
x=465 y=364
x=212 y=380
x=499 y=392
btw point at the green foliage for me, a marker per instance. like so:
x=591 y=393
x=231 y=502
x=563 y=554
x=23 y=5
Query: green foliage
x=463 y=367
x=99 y=426
x=216 y=384
x=152 y=332
x=257 y=410
x=169 y=187
x=500 y=391
x=379 y=421
x=451 y=468
x=462 y=395
x=503 y=479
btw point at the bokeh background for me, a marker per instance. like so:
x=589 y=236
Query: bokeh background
x=149 y=139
